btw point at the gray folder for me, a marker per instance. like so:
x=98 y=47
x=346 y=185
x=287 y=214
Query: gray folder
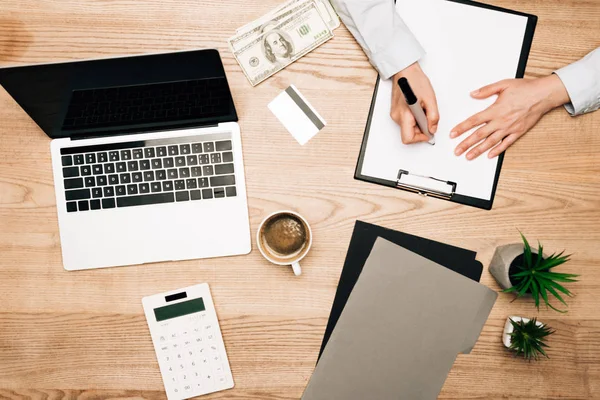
x=401 y=329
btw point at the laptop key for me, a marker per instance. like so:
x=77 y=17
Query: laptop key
x=137 y=177
x=155 y=187
x=95 y=204
x=148 y=176
x=125 y=155
x=109 y=191
x=121 y=167
x=179 y=184
x=172 y=174
x=149 y=152
x=70 y=172
x=192 y=160
x=71 y=206
x=132 y=166
x=102 y=157
x=209 y=147
x=180 y=161
x=219 y=192
x=196 y=171
x=144 y=188
x=108 y=203
x=125 y=178
x=78 y=159
x=90 y=158
x=195 y=195
x=184 y=172
x=113 y=156
x=173 y=150
x=223 y=180
x=161 y=175
x=182 y=196
x=215 y=158
x=67 y=161
x=227 y=157
x=223 y=169
x=109 y=168
x=113 y=179
x=132 y=189
x=203 y=159
x=101 y=180
x=73 y=183
x=120 y=190
x=145 y=199
x=157 y=163
x=85 y=170
x=191 y=183
x=203 y=182
x=185 y=149
x=207 y=194
x=197 y=148
x=97 y=169
x=231 y=191
x=90 y=181
x=207 y=170
x=166 y=185
x=83 y=205
x=144 y=165
x=168 y=162
x=138 y=153
x=161 y=151
x=97 y=192
x=224 y=145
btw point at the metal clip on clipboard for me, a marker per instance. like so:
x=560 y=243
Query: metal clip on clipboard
x=425 y=185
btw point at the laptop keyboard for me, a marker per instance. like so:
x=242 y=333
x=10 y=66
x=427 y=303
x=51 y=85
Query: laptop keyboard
x=141 y=104
x=148 y=172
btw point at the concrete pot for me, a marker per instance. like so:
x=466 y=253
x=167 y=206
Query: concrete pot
x=508 y=329
x=503 y=257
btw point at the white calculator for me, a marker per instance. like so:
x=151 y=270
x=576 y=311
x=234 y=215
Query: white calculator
x=188 y=342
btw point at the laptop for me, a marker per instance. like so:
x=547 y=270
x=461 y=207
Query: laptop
x=146 y=155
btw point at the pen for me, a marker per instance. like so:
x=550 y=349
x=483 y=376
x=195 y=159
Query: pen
x=415 y=108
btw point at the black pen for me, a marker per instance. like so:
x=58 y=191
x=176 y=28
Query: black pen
x=415 y=108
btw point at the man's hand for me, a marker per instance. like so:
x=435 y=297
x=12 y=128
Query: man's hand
x=519 y=106
x=401 y=113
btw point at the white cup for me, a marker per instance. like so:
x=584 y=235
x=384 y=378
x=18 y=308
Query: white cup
x=293 y=259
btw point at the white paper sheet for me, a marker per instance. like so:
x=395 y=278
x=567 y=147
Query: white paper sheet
x=467 y=48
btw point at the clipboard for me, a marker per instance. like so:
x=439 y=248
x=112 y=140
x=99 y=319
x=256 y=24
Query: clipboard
x=435 y=185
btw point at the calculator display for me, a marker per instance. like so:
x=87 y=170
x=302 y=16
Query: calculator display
x=179 y=309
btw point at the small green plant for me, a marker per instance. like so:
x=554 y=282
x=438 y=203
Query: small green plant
x=528 y=338
x=536 y=277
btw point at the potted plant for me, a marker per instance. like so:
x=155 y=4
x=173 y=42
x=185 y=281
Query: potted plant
x=519 y=270
x=526 y=336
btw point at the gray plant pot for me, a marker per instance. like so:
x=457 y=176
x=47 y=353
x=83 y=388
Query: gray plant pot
x=501 y=261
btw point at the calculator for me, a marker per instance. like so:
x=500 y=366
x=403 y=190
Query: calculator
x=188 y=343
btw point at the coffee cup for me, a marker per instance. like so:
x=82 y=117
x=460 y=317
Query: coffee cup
x=284 y=238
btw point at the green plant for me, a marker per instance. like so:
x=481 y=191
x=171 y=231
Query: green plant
x=528 y=338
x=537 y=277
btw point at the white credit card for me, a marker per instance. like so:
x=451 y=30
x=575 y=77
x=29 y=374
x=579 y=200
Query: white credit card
x=297 y=115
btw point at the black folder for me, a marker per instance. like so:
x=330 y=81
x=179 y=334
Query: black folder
x=457 y=259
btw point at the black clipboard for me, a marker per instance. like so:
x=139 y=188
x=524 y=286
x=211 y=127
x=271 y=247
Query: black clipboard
x=364 y=235
x=450 y=195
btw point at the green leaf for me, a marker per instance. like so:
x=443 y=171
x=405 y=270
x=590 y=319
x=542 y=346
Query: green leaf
x=525 y=287
x=535 y=293
x=559 y=287
x=521 y=274
x=539 y=255
x=527 y=251
x=556 y=276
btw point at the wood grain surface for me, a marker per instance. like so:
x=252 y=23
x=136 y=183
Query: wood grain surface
x=67 y=335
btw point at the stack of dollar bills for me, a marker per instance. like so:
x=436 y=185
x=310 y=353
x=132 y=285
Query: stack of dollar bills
x=277 y=39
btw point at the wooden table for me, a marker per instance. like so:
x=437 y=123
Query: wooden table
x=83 y=334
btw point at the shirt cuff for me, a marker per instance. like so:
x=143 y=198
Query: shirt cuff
x=580 y=85
x=403 y=51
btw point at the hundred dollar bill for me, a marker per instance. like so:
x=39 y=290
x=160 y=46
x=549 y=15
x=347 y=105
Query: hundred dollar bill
x=263 y=25
x=285 y=43
x=324 y=6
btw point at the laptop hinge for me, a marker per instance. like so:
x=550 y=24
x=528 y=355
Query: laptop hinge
x=133 y=131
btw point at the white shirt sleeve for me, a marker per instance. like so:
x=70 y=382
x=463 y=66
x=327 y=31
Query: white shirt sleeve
x=582 y=81
x=382 y=34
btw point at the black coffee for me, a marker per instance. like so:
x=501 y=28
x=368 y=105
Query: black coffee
x=285 y=234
